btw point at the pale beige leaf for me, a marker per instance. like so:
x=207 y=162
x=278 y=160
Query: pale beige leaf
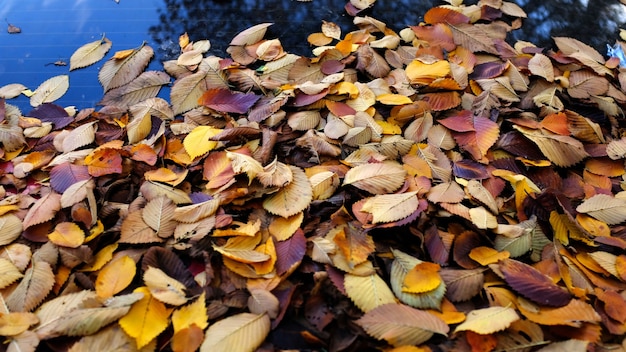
x=118 y=72
x=43 y=210
x=77 y=192
x=376 y=178
x=53 y=311
x=159 y=215
x=111 y=338
x=480 y=193
x=9 y=273
x=196 y=212
x=391 y=207
x=152 y=190
x=263 y=301
x=190 y=58
x=584 y=84
x=605 y=208
x=50 y=90
x=561 y=150
x=33 y=289
x=12 y=90
x=187 y=91
x=616 y=149
x=144 y=86
x=164 y=288
x=473 y=38
x=275 y=174
x=488 y=320
x=324 y=184
x=606 y=260
x=79 y=137
x=391 y=146
x=243 y=332
x=11 y=137
x=570 y=46
x=24 y=342
x=250 y=35
x=447 y=192
x=291 y=199
x=540 y=65
x=84 y=321
x=548 y=99
x=10 y=228
x=368 y=292
x=242 y=163
x=158 y=107
x=402 y=325
x=303 y=120
x=482 y=218
x=90 y=53
x=571 y=345
x=500 y=87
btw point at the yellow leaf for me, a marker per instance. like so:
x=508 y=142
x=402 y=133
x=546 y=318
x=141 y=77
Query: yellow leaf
x=67 y=234
x=115 y=277
x=267 y=266
x=402 y=264
x=376 y=178
x=263 y=301
x=244 y=163
x=482 y=218
x=324 y=184
x=389 y=128
x=193 y=313
x=15 y=323
x=368 y=292
x=283 y=228
x=198 y=141
x=9 y=273
x=486 y=255
x=163 y=287
x=393 y=99
x=146 y=319
x=243 y=332
x=422 y=278
x=592 y=226
x=488 y=320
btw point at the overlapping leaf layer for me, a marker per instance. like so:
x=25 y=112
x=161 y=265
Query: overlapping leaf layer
x=435 y=188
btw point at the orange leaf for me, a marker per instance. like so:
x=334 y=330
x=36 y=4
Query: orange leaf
x=422 y=278
x=143 y=152
x=481 y=343
x=556 y=123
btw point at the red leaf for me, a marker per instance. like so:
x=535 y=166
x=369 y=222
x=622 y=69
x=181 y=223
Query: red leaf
x=104 y=162
x=226 y=101
x=533 y=284
x=477 y=135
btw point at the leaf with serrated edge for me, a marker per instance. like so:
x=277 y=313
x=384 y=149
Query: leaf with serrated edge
x=391 y=207
x=33 y=289
x=146 y=319
x=402 y=325
x=163 y=287
x=399 y=269
x=488 y=320
x=10 y=228
x=293 y=198
x=9 y=273
x=376 y=178
x=44 y=209
x=240 y=332
x=89 y=53
x=368 y=292
x=50 y=90
x=605 y=208
x=118 y=72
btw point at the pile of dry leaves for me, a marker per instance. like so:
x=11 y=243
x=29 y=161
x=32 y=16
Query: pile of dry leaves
x=431 y=189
